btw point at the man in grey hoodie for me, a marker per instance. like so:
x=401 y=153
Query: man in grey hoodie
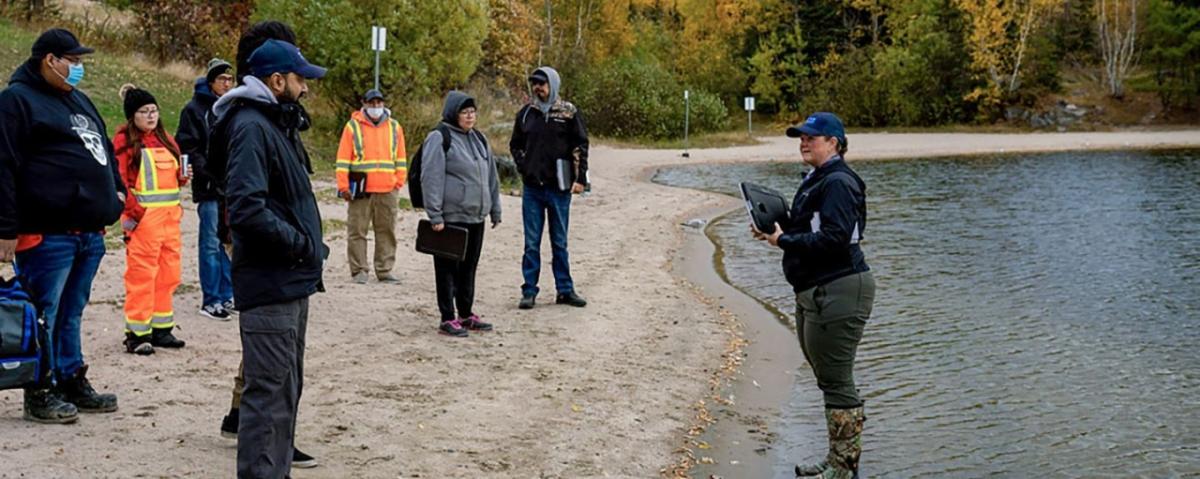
x=460 y=188
x=550 y=146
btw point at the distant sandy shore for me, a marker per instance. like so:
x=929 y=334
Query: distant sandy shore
x=605 y=391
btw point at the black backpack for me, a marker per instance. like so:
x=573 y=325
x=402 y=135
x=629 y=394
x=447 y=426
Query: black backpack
x=415 y=193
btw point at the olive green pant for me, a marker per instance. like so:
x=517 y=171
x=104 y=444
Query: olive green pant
x=829 y=322
x=378 y=212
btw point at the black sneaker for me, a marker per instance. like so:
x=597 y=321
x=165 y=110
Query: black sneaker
x=162 y=338
x=78 y=390
x=302 y=460
x=527 y=301
x=229 y=307
x=46 y=407
x=215 y=311
x=571 y=299
x=454 y=328
x=473 y=323
x=139 y=345
x=229 y=425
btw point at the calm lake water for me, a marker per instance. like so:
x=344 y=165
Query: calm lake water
x=1037 y=315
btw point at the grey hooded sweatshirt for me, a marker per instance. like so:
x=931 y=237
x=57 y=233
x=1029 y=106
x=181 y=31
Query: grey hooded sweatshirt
x=460 y=185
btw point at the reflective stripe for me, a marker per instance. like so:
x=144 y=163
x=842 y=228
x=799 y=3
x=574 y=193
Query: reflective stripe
x=163 y=321
x=394 y=129
x=373 y=166
x=356 y=133
x=138 y=328
x=162 y=199
x=149 y=175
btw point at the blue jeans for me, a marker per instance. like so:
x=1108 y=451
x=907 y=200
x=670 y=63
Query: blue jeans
x=537 y=205
x=58 y=275
x=216 y=283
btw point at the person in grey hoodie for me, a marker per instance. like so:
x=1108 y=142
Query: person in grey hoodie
x=460 y=188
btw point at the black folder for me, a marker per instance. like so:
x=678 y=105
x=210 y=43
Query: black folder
x=449 y=243
x=766 y=206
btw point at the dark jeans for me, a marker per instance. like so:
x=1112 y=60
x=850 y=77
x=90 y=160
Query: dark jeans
x=58 y=275
x=273 y=360
x=538 y=204
x=829 y=322
x=456 y=279
x=216 y=283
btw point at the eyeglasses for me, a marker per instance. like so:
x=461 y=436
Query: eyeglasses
x=72 y=59
x=224 y=79
x=537 y=82
x=147 y=111
x=467 y=112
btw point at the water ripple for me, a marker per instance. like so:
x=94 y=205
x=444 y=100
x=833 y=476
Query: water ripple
x=1036 y=315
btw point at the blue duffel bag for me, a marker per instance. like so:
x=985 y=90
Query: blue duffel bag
x=21 y=337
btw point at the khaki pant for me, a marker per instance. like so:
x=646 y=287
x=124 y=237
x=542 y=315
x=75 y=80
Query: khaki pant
x=378 y=211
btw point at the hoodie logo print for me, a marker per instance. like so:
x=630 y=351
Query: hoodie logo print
x=91 y=138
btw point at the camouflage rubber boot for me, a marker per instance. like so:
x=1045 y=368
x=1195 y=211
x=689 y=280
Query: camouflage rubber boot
x=845 y=442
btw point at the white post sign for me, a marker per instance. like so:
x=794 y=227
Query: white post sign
x=378 y=39
x=378 y=44
x=687 y=112
x=748 y=104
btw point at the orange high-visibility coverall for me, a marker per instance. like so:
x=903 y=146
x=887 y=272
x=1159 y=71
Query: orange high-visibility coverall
x=151 y=223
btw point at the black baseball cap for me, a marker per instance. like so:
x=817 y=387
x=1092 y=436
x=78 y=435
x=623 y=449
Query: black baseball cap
x=372 y=94
x=58 y=42
x=277 y=56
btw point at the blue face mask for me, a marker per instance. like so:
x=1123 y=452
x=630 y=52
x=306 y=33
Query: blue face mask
x=74 y=73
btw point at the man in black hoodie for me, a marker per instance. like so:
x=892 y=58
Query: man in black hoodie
x=59 y=189
x=216 y=283
x=277 y=249
x=550 y=146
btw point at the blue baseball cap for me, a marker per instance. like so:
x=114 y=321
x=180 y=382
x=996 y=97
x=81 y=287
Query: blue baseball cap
x=277 y=56
x=819 y=124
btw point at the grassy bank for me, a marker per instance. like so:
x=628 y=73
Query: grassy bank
x=105 y=73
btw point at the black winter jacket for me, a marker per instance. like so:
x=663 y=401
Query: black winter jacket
x=539 y=140
x=826 y=223
x=278 y=253
x=57 y=169
x=195 y=121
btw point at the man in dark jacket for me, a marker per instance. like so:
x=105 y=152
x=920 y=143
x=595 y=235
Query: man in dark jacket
x=277 y=249
x=59 y=189
x=216 y=283
x=550 y=146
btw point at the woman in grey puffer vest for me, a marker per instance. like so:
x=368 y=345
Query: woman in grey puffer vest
x=460 y=188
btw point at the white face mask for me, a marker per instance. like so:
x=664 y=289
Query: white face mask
x=375 y=113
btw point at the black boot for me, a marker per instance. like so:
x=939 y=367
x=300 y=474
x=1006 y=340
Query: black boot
x=78 y=390
x=162 y=338
x=44 y=406
x=135 y=344
x=229 y=424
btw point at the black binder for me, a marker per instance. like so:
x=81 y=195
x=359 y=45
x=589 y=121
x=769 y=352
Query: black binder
x=450 y=243
x=766 y=206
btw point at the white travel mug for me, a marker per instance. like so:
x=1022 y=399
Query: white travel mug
x=183 y=165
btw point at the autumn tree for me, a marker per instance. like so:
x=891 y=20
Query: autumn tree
x=512 y=43
x=997 y=38
x=1117 y=28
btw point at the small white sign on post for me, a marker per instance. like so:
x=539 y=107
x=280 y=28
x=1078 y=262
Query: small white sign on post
x=749 y=103
x=378 y=39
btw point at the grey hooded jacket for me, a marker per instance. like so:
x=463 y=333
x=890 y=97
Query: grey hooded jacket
x=460 y=185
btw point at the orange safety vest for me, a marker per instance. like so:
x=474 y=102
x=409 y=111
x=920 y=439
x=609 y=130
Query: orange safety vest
x=157 y=182
x=374 y=151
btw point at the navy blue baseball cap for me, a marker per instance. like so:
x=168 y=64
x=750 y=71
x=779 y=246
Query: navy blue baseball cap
x=277 y=56
x=819 y=124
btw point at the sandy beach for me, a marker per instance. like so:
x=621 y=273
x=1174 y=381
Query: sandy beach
x=610 y=390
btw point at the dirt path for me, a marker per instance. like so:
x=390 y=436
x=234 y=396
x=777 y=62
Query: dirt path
x=605 y=391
